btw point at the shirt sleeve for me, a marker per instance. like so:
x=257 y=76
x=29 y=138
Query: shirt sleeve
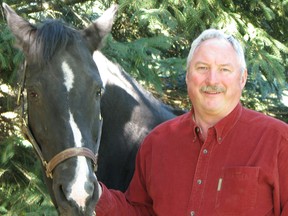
x=136 y=200
x=283 y=176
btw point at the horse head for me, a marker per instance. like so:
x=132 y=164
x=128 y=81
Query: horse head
x=63 y=89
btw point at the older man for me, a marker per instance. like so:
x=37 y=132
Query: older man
x=218 y=159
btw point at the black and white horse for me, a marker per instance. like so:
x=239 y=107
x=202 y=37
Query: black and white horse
x=64 y=86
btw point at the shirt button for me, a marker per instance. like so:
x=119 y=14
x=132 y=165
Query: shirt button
x=205 y=151
x=199 y=181
x=192 y=213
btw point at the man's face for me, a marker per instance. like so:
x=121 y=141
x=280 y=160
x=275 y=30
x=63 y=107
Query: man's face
x=214 y=79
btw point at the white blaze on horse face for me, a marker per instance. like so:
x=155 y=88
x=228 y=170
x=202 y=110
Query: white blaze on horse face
x=68 y=76
x=76 y=131
x=77 y=191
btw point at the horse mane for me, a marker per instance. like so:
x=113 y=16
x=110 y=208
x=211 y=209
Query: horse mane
x=52 y=36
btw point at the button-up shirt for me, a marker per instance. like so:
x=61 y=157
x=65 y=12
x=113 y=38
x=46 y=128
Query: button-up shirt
x=241 y=168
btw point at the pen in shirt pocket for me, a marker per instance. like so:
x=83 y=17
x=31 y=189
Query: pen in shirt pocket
x=219 y=184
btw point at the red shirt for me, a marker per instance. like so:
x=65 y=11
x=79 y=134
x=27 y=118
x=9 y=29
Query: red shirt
x=240 y=169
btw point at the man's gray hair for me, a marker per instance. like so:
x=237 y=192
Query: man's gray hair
x=214 y=33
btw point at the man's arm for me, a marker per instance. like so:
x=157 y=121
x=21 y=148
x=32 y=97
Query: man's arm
x=283 y=175
x=136 y=200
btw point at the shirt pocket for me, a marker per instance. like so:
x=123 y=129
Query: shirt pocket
x=237 y=190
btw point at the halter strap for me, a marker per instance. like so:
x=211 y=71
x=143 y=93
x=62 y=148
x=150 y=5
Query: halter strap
x=63 y=155
x=68 y=153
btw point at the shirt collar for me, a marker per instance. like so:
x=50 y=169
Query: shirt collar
x=224 y=126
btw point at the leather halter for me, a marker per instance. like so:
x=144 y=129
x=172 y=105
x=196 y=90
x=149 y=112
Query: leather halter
x=63 y=155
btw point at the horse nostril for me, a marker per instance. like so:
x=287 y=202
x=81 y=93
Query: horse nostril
x=64 y=194
x=61 y=197
x=89 y=188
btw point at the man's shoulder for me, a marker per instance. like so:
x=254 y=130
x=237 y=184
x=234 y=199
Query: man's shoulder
x=172 y=127
x=255 y=118
x=182 y=120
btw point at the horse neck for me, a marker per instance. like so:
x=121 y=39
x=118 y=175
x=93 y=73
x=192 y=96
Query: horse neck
x=113 y=74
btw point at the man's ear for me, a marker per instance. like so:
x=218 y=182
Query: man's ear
x=244 y=78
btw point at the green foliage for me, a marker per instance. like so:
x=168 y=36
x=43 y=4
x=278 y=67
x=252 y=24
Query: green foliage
x=21 y=187
x=9 y=56
x=147 y=63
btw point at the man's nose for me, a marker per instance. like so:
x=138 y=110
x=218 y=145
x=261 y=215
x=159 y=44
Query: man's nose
x=212 y=76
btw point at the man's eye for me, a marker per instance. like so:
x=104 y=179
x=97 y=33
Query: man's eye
x=202 y=68
x=225 y=70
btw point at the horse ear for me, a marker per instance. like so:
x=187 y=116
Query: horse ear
x=96 y=32
x=22 y=29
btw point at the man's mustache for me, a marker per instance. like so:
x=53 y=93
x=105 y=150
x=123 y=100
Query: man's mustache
x=212 y=89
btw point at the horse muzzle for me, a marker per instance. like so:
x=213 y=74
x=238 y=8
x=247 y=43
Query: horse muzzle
x=75 y=187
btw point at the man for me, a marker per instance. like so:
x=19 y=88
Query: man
x=218 y=159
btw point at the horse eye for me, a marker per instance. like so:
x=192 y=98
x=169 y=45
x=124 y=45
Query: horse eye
x=33 y=94
x=100 y=92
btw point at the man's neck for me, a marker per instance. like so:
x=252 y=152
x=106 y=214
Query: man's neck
x=205 y=122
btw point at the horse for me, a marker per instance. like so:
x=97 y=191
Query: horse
x=63 y=89
x=64 y=96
